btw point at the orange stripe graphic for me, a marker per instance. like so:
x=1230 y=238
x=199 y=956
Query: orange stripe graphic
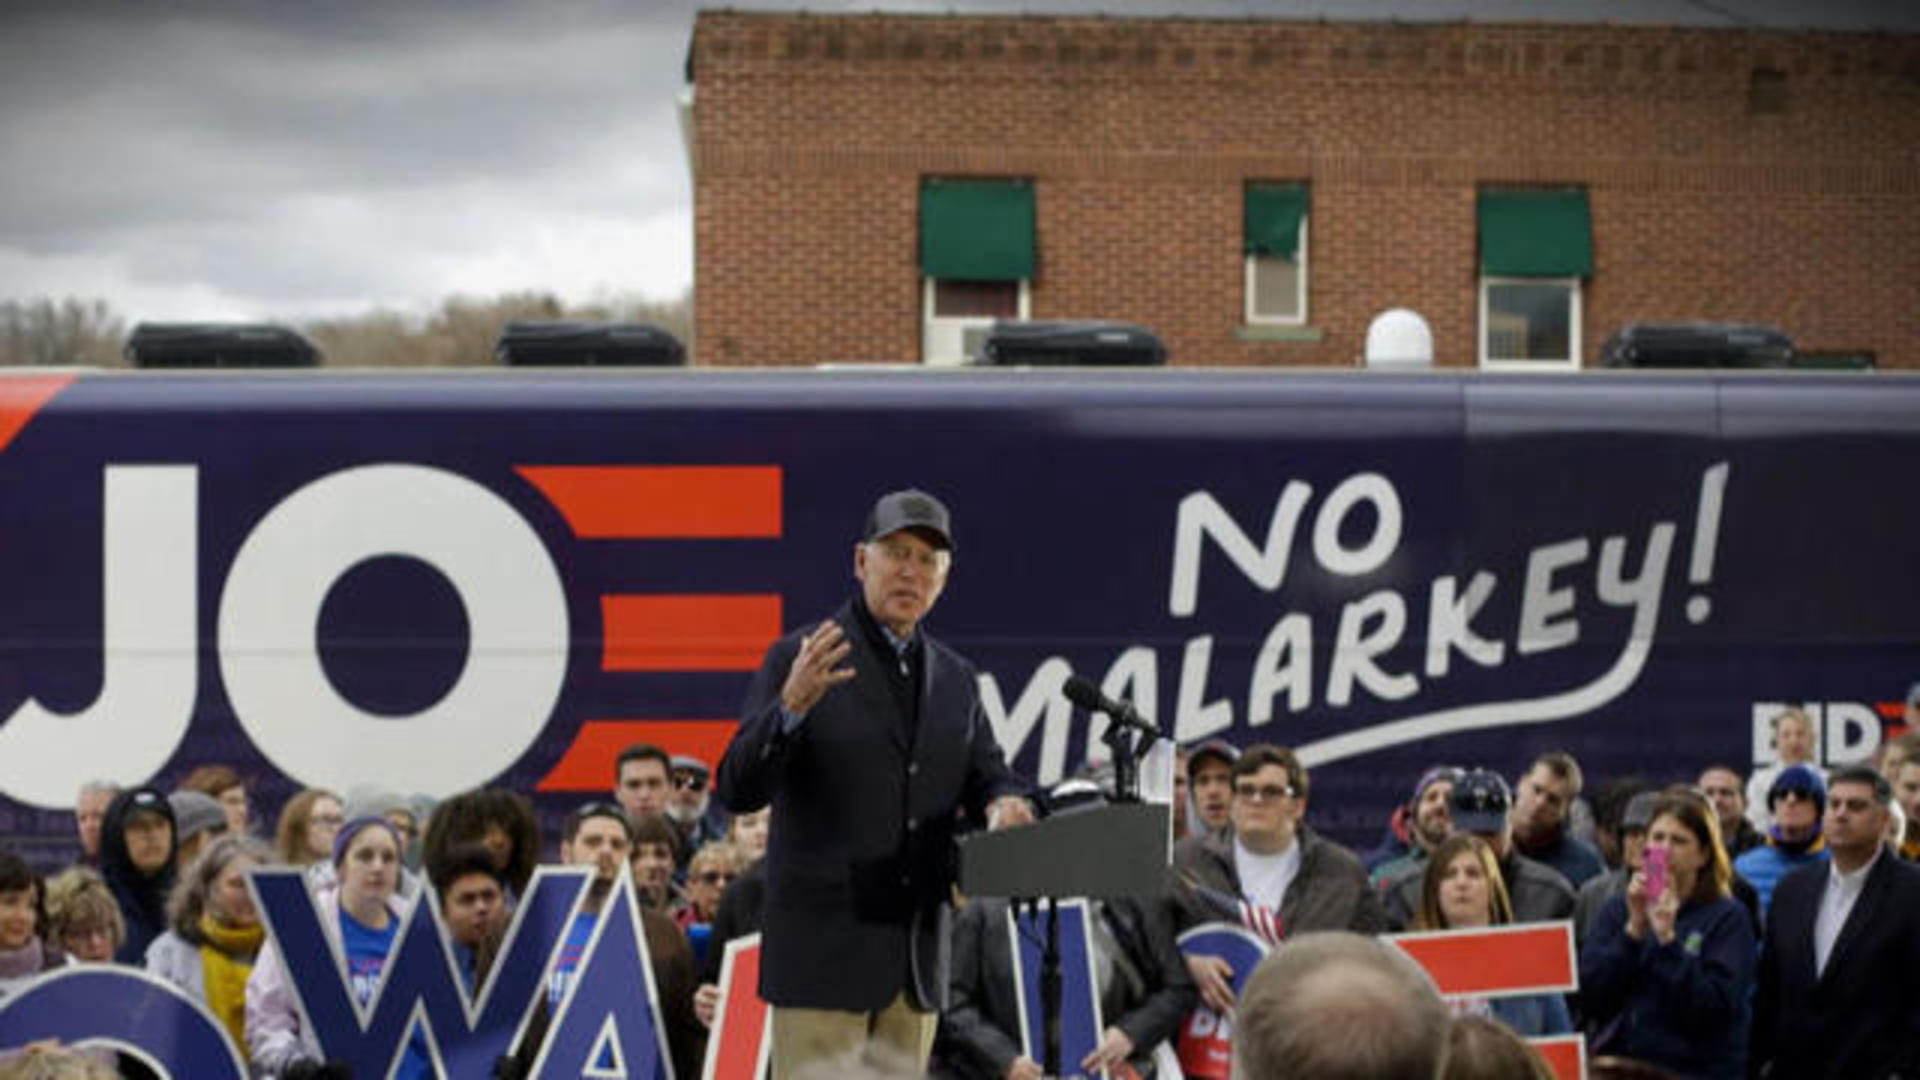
x=642 y=502
x=588 y=763
x=1504 y=959
x=23 y=396
x=701 y=632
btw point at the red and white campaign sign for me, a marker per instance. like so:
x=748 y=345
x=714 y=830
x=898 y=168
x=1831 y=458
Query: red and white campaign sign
x=1506 y=961
x=1566 y=1054
x=742 y=1024
x=1497 y=961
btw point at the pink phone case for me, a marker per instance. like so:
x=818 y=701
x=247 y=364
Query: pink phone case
x=1656 y=869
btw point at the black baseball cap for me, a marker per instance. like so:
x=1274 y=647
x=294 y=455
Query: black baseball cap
x=1481 y=799
x=1212 y=748
x=911 y=509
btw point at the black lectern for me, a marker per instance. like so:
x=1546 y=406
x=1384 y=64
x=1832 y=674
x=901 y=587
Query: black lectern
x=1102 y=852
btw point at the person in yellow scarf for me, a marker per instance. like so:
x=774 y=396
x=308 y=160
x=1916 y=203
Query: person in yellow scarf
x=214 y=932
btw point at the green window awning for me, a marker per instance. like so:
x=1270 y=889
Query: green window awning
x=1535 y=233
x=1273 y=216
x=976 y=230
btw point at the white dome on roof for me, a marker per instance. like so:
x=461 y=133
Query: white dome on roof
x=1399 y=338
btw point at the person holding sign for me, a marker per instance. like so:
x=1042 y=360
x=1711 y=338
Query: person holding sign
x=1462 y=890
x=361 y=917
x=1142 y=986
x=1268 y=870
x=866 y=735
x=1144 y=993
x=1666 y=973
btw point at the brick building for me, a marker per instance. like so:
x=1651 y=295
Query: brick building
x=868 y=187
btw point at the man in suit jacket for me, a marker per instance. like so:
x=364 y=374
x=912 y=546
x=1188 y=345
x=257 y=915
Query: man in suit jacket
x=1840 y=970
x=866 y=735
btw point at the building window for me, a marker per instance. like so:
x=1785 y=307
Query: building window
x=1536 y=247
x=976 y=261
x=1275 y=242
x=1529 y=321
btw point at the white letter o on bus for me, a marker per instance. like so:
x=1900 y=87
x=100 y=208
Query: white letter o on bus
x=516 y=615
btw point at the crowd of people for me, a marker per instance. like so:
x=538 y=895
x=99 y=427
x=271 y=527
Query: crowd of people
x=160 y=883
x=1705 y=947
x=1726 y=926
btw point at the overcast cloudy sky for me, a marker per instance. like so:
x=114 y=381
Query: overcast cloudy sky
x=248 y=160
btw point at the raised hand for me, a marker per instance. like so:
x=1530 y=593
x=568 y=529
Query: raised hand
x=815 y=668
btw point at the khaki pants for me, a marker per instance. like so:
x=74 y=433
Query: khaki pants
x=826 y=1044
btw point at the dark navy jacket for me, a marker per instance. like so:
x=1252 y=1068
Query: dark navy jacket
x=861 y=857
x=1682 y=1006
x=1858 y=1019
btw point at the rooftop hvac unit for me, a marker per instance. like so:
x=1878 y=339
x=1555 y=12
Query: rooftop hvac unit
x=219 y=345
x=1073 y=343
x=588 y=344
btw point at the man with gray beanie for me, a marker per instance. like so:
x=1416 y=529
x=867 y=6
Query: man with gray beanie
x=198 y=820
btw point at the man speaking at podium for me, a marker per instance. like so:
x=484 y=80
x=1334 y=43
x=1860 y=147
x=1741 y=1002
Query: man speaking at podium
x=866 y=735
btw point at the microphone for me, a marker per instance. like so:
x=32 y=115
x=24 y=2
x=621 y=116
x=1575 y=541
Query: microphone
x=1088 y=696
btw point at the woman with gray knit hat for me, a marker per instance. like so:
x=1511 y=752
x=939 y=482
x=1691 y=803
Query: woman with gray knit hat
x=361 y=916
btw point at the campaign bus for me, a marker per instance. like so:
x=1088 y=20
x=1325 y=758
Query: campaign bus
x=431 y=582
x=435 y=581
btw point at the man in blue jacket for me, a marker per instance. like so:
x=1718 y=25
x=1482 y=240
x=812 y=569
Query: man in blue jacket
x=1795 y=803
x=866 y=735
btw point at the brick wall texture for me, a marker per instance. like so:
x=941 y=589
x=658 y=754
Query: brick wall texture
x=812 y=134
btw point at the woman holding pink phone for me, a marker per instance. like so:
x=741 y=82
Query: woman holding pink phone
x=1665 y=972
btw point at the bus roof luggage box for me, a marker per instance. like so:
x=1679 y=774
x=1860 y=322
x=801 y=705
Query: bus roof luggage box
x=219 y=345
x=587 y=344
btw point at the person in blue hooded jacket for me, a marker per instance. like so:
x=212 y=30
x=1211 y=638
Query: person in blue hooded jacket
x=1796 y=803
x=1665 y=974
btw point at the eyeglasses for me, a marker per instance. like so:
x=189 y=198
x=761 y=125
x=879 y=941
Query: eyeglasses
x=713 y=877
x=1262 y=792
x=1792 y=795
x=690 y=780
x=327 y=819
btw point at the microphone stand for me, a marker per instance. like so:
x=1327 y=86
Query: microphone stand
x=1128 y=745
